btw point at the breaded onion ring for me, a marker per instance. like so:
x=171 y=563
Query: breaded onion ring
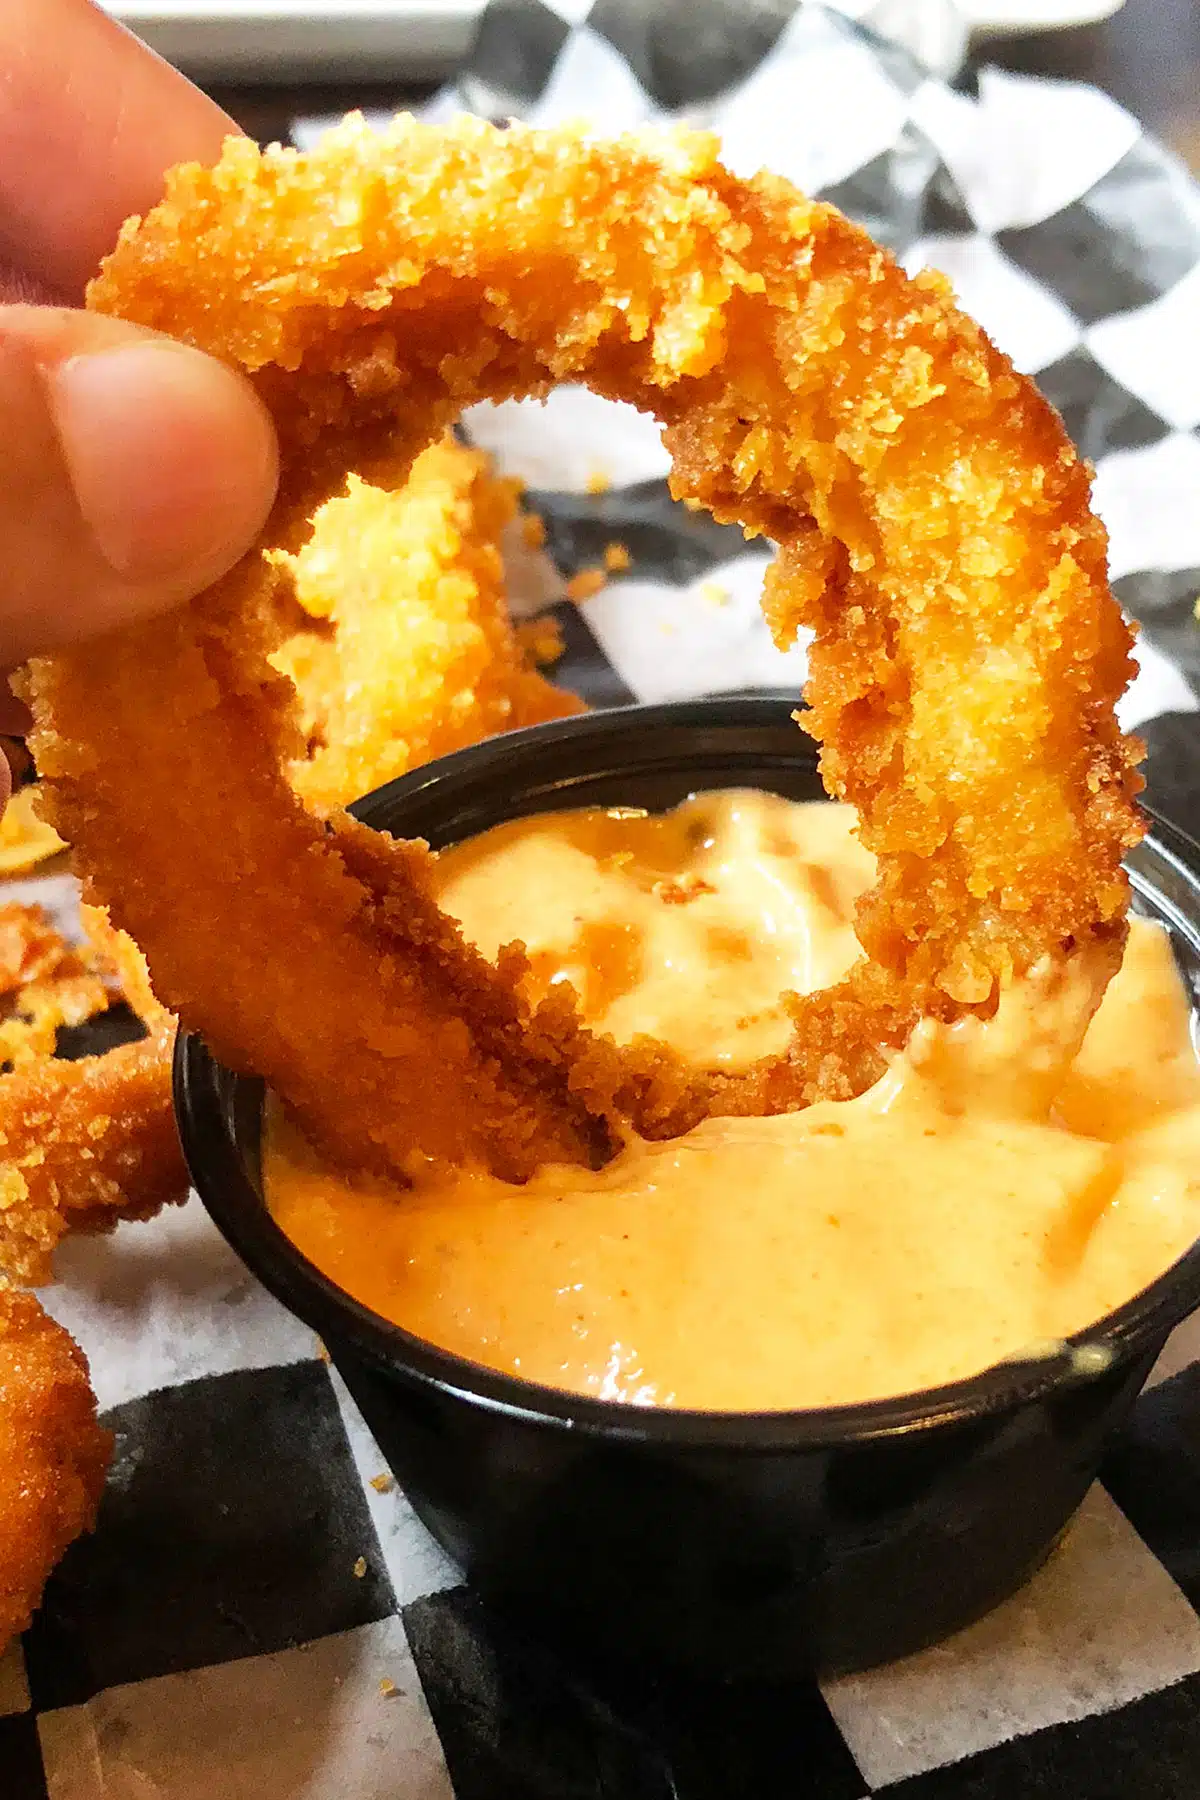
x=53 y=1453
x=934 y=531
x=45 y=983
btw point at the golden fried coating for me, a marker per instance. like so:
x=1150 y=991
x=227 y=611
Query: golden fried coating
x=934 y=532
x=53 y=1453
x=84 y=1145
x=404 y=649
x=122 y=964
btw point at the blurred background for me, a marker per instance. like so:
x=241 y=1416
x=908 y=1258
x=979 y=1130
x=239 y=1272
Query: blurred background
x=267 y=60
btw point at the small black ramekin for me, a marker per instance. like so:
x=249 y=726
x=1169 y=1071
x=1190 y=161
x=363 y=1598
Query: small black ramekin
x=730 y=1543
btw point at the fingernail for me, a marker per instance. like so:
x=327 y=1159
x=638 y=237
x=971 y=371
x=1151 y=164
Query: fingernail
x=170 y=456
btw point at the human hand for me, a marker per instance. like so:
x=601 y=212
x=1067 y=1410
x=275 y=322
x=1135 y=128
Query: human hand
x=133 y=470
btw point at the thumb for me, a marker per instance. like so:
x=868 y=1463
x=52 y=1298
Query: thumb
x=133 y=472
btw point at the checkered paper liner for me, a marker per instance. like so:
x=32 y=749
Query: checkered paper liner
x=257 y=1611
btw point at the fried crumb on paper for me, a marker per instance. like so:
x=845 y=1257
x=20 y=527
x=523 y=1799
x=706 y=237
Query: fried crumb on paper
x=585 y=584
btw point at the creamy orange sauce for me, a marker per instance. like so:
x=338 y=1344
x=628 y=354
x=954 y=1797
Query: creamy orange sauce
x=688 y=926
x=995 y=1191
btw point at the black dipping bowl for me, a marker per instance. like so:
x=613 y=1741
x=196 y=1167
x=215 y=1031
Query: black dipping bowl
x=731 y=1543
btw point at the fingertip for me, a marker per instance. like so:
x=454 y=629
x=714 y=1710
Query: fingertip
x=172 y=457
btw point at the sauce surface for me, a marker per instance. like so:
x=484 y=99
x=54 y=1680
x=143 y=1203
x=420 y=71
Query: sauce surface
x=991 y=1193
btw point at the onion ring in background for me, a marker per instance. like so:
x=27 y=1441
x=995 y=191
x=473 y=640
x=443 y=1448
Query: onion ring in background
x=53 y=1453
x=934 y=531
x=400 y=644
x=399 y=640
x=84 y=1142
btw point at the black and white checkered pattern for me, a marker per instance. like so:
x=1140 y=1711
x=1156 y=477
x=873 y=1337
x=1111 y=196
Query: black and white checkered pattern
x=227 y=1630
x=248 y=1596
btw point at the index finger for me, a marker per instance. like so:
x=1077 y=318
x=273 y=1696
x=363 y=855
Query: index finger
x=90 y=120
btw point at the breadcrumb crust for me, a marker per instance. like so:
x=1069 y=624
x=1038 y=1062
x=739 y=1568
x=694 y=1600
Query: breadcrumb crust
x=53 y=1453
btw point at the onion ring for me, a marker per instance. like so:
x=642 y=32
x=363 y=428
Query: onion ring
x=400 y=642
x=84 y=1145
x=53 y=1453
x=934 y=532
x=88 y=1142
